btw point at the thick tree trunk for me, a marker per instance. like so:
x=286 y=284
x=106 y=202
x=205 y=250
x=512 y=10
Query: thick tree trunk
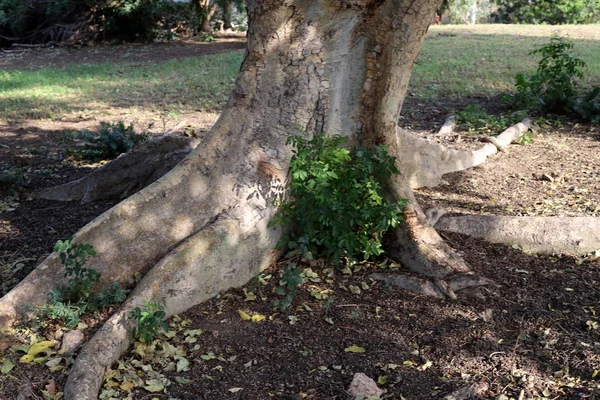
x=227 y=14
x=209 y=11
x=337 y=66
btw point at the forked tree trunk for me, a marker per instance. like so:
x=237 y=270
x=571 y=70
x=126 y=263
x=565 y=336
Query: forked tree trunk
x=208 y=10
x=337 y=66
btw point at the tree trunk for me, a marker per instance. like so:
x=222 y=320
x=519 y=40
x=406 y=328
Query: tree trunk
x=227 y=14
x=208 y=11
x=336 y=66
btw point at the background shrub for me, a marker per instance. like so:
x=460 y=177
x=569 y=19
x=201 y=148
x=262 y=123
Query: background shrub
x=112 y=140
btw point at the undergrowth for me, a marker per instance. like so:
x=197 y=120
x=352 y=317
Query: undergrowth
x=337 y=208
x=554 y=87
x=150 y=321
x=79 y=296
x=112 y=140
x=475 y=119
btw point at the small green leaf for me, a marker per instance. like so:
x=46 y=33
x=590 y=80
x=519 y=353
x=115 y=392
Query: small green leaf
x=6 y=366
x=209 y=356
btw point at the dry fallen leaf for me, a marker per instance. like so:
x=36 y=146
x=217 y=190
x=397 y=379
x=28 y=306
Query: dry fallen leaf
x=258 y=318
x=6 y=366
x=244 y=316
x=354 y=349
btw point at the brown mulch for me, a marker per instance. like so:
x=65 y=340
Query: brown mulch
x=532 y=336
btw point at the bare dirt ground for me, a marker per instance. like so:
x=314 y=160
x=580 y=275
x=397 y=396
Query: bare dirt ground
x=534 y=335
x=131 y=52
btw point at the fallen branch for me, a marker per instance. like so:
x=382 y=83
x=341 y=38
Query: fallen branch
x=510 y=135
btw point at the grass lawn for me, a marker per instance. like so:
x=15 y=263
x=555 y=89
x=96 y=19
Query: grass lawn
x=455 y=61
x=171 y=87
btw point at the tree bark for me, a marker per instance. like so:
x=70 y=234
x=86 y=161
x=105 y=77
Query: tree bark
x=227 y=14
x=336 y=66
x=209 y=11
x=340 y=67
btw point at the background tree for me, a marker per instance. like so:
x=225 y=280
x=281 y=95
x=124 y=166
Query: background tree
x=549 y=12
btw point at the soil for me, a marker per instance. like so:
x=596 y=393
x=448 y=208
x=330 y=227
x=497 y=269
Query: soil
x=533 y=335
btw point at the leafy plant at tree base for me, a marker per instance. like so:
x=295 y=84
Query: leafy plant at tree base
x=525 y=139
x=112 y=140
x=552 y=87
x=337 y=206
x=150 y=319
x=69 y=302
x=288 y=286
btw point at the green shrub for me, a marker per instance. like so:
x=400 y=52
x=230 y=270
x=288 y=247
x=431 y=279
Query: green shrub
x=150 y=321
x=112 y=140
x=69 y=302
x=337 y=206
x=288 y=285
x=588 y=106
x=11 y=177
x=548 y=12
x=552 y=87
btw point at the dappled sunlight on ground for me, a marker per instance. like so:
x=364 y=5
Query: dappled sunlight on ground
x=572 y=31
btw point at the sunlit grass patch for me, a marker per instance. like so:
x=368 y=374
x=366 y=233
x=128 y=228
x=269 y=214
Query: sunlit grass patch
x=455 y=62
x=462 y=60
x=191 y=84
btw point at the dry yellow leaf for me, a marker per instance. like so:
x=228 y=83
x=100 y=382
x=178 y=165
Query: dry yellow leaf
x=258 y=318
x=354 y=349
x=127 y=386
x=40 y=347
x=244 y=316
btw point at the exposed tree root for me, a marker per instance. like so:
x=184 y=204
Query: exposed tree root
x=221 y=256
x=309 y=67
x=418 y=246
x=544 y=235
x=448 y=126
x=126 y=174
x=438 y=288
x=512 y=134
x=425 y=162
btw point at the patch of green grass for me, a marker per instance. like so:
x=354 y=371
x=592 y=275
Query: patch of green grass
x=465 y=61
x=475 y=119
x=455 y=62
x=190 y=84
